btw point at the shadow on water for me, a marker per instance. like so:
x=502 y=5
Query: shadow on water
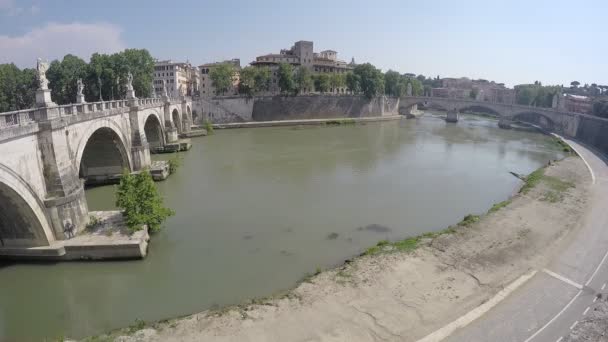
x=376 y=228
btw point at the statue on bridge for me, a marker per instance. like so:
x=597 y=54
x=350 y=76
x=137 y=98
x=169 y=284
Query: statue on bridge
x=41 y=68
x=164 y=94
x=409 y=89
x=129 y=85
x=79 y=95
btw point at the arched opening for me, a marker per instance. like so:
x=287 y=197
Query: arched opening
x=195 y=119
x=154 y=132
x=535 y=119
x=104 y=158
x=176 y=121
x=19 y=226
x=476 y=109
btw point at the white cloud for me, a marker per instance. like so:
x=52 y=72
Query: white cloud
x=53 y=41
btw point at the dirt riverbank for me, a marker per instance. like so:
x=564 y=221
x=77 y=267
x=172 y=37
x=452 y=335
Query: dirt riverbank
x=405 y=290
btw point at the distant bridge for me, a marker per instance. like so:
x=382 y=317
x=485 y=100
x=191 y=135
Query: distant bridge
x=548 y=118
x=47 y=153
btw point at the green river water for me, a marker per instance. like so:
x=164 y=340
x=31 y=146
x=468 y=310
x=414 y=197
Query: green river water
x=255 y=208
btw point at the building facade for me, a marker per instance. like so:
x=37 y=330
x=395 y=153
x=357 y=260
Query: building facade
x=480 y=90
x=302 y=54
x=207 y=89
x=181 y=79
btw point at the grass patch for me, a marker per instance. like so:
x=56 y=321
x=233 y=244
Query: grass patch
x=174 y=163
x=557 y=184
x=138 y=325
x=496 y=207
x=341 y=122
x=93 y=222
x=532 y=180
x=468 y=220
x=552 y=197
x=208 y=127
x=563 y=146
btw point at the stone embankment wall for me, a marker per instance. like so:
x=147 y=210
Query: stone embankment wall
x=243 y=109
x=593 y=132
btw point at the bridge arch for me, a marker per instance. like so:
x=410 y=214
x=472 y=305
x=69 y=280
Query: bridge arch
x=479 y=108
x=176 y=118
x=535 y=118
x=103 y=153
x=23 y=222
x=153 y=130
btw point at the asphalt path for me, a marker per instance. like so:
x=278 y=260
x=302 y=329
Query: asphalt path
x=552 y=303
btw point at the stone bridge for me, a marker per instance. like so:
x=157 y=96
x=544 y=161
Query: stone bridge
x=49 y=152
x=550 y=119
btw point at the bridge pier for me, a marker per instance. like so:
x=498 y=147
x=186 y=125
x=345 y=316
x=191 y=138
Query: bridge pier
x=505 y=123
x=452 y=116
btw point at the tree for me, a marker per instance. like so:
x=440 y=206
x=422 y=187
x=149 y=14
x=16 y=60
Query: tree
x=337 y=81
x=262 y=79
x=63 y=76
x=352 y=82
x=473 y=94
x=17 y=88
x=371 y=80
x=286 y=83
x=141 y=202
x=221 y=77
x=393 y=84
x=247 y=81
x=303 y=80
x=322 y=83
x=575 y=84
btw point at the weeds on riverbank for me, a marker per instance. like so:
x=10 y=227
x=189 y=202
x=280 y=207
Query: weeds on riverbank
x=563 y=146
x=340 y=122
x=174 y=163
x=208 y=127
x=497 y=206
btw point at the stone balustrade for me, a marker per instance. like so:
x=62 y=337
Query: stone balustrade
x=27 y=116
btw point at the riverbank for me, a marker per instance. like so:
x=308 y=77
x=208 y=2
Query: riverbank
x=405 y=290
x=307 y=122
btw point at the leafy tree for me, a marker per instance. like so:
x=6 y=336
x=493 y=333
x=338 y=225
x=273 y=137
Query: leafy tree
x=371 y=80
x=600 y=108
x=393 y=84
x=221 y=77
x=17 y=88
x=575 y=84
x=286 y=82
x=262 y=79
x=247 y=81
x=353 y=83
x=417 y=87
x=322 y=83
x=141 y=202
x=473 y=94
x=337 y=81
x=63 y=76
x=303 y=80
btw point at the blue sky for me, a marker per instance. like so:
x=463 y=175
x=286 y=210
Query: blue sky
x=508 y=41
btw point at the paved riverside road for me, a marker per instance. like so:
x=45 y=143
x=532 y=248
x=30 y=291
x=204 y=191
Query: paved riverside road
x=550 y=304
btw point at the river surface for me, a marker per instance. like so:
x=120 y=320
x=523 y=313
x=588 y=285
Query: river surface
x=258 y=209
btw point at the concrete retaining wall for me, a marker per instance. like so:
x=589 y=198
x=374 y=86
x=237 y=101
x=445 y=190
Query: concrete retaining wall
x=272 y=108
x=593 y=132
x=319 y=107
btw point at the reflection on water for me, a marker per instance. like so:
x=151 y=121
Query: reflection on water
x=259 y=208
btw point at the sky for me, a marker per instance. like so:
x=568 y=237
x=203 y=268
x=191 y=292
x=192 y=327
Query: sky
x=510 y=41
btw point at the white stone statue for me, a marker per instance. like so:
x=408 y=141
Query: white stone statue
x=80 y=86
x=129 y=83
x=409 y=89
x=180 y=90
x=153 y=93
x=41 y=68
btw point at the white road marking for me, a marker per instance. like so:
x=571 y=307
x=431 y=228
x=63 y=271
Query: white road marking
x=573 y=325
x=594 y=299
x=554 y=318
x=597 y=269
x=447 y=330
x=580 y=155
x=562 y=278
x=559 y=339
x=587 y=309
x=603 y=286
